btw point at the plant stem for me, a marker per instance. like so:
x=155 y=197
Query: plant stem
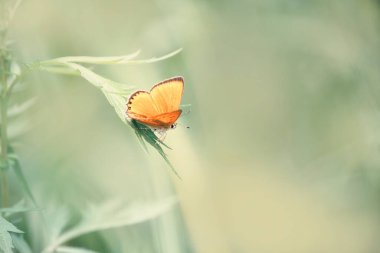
x=3 y=131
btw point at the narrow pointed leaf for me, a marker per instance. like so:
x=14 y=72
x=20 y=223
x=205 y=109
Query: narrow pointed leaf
x=145 y=133
x=99 y=60
x=17 y=208
x=20 y=176
x=20 y=244
x=113 y=215
x=156 y=59
x=17 y=109
x=6 y=228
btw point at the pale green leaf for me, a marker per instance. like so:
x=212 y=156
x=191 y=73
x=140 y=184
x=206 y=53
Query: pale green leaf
x=113 y=215
x=99 y=60
x=6 y=243
x=17 y=109
x=19 y=207
x=20 y=244
x=15 y=71
x=59 y=70
x=118 y=103
x=58 y=220
x=18 y=128
x=97 y=80
x=124 y=59
x=20 y=175
x=156 y=59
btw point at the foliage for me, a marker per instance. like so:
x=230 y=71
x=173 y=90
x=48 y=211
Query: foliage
x=115 y=92
x=61 y=226
x=6 y=228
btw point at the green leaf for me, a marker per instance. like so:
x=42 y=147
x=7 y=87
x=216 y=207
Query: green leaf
x=99 y=60
x=6 y=243
x=20 y=244
x=59 y=70
x=123 y=59
x=17 y=208
x=15 y=164
x=144 y=133
x=113 y=91
x=18 y=128
x=95 y=79
x=155 y=59
x=112 y=215
x=15 y=71
x=73 y=250
x=57 y=222
x=17 y=109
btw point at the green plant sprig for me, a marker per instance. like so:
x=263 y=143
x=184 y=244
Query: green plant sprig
x=115 y=92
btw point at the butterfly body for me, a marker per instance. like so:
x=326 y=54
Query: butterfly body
x=159 y=108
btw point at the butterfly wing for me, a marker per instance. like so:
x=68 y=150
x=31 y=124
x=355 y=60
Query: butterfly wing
x=167 y=119
x=167 y=95
x=141 y=103
x=160 y=121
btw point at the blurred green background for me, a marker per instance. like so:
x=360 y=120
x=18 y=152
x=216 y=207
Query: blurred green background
x=283 y=150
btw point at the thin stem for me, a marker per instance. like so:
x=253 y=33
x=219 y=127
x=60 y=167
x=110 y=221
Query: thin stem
x=3 y=132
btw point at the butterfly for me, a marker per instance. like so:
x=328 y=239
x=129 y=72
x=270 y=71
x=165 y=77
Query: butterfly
x=158 y=108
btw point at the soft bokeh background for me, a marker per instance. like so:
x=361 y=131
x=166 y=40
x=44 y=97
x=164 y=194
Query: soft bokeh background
x=283 y=150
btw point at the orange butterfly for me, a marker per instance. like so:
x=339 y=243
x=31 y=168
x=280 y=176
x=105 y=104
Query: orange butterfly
x=159 y=108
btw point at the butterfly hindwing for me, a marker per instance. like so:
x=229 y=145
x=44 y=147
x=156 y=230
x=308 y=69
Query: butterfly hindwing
x=167 y=119
x=141 y=103
x=160 y=121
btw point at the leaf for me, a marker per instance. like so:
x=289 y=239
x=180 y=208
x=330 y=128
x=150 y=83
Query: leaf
x=113 y=91
x=57 y=222
x=59 y=70
x=156 y=59
x=95 y=79
x=15 y=71
x=17 y=208
x=146 y=134
x=99 y=60
x=6 y=244
x=112 y=215
x=15 y=164
x=123 y=59
x=17 y=109
x=73 y=250
x=20 y=244
x=18 y=128
x=118 y=103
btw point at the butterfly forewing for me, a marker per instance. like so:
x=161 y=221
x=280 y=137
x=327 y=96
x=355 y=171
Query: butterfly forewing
x=167 y=94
